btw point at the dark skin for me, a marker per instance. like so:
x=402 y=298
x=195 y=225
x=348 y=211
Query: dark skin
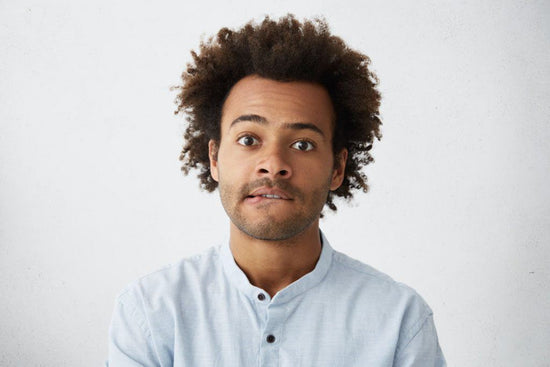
x=287 y=149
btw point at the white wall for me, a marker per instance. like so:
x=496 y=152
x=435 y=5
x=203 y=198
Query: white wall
x=91 y=195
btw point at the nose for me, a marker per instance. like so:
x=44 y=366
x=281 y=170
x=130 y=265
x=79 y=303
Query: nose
x=274 y=164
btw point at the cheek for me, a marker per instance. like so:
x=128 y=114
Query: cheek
x=234 y=160
x=233 y=170
x=315 y=168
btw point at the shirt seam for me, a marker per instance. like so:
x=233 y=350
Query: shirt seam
x=422 y=321
x=154 y=345
x=142 y=322
x=133 y=314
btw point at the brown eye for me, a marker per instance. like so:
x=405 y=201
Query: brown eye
x=247 y=140
x=303 y=145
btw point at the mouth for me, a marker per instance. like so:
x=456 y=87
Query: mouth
x=267 y=196
x=267 y=193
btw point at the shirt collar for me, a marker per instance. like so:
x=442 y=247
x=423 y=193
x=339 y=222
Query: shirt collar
x=238 y=278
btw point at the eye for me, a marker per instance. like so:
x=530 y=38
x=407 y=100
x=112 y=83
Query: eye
x=303 y=145
x=248 y=140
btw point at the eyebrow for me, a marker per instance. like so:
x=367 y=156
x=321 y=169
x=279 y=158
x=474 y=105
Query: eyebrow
x=254 y=118
x=287 y=125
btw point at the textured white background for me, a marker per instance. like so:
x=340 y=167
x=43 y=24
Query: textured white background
x=91 y=195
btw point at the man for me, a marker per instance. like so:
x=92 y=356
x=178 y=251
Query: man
x=282 y=116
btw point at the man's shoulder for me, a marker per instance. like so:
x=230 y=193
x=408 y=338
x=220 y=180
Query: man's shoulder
x=174 y=278
x=360 y=269
x=371 y=284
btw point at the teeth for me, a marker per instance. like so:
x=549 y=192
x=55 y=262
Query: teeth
x=271 y=196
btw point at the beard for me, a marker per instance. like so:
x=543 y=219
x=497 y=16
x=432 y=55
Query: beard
x=273 y=225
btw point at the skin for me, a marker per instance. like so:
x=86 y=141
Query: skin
x=276 y=140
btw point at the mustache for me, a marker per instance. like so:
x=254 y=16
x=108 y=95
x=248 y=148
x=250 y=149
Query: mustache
x=280 y=184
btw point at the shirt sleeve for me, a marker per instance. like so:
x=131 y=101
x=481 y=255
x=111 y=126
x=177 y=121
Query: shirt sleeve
x=422 y=349
x=130 y=341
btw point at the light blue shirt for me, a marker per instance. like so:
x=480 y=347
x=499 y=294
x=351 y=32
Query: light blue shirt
x=203 y=311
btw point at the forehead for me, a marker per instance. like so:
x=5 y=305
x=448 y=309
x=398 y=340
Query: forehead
x=279 y=102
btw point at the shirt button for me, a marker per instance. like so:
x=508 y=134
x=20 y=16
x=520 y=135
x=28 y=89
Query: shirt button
x=261 y=296
x=270 y=339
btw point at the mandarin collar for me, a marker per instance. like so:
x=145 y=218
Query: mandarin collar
x=239 y=280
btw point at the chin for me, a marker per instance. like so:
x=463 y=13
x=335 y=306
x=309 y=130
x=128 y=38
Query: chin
x=271 y=230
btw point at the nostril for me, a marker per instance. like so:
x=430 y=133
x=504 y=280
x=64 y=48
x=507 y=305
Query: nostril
x=282 y=173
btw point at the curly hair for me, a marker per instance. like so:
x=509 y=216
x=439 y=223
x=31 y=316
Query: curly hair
x=282 y=50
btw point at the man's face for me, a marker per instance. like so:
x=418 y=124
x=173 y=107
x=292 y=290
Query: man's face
x=274 y=162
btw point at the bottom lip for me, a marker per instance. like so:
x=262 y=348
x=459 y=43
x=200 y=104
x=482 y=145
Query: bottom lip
x=260 y=198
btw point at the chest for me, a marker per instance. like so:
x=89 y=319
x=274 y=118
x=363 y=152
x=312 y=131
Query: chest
x=306 y=331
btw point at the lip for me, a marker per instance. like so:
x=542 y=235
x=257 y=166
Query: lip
x=267 y=193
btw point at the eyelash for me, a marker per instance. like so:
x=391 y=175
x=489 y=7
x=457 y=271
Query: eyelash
x=247 y=136
x=256 y=142
x=311 y=145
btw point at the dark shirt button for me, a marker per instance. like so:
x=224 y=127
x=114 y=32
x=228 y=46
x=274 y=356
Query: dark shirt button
x=261 y=296
x=270 y=339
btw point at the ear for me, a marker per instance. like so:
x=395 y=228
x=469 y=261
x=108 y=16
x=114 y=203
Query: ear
x=213 y=157
x=339 y=169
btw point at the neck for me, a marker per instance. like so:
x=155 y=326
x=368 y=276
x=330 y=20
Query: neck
x=273 y=265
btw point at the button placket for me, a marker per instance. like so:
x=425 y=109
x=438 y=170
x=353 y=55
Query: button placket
x=272 y=334
x=260 y=301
